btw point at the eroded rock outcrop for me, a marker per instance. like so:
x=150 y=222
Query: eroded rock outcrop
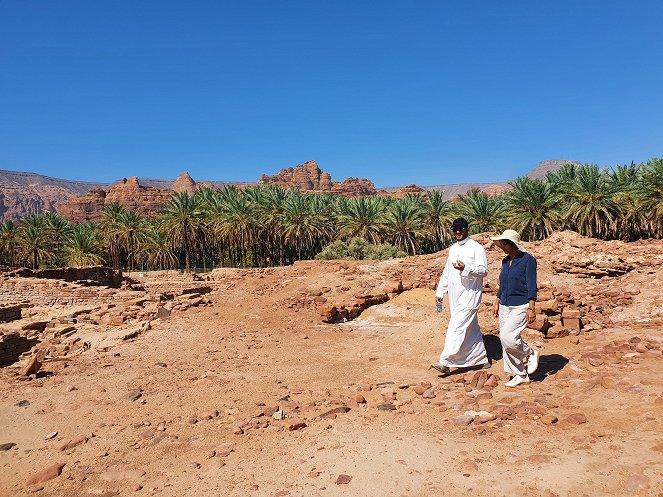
x=145 y=200
x=308 y=177
x=184 y=183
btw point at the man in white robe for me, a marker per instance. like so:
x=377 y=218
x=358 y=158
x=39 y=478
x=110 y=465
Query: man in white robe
x=462 y=279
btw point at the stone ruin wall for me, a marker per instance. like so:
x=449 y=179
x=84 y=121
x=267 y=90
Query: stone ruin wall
x=42 y=292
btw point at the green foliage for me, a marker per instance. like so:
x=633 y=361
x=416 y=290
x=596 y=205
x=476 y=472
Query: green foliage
x=267 y=225
x=358 y=249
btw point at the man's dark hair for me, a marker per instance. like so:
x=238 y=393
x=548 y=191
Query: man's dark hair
x=460 y=222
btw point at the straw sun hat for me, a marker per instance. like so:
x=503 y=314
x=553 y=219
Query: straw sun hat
x=511 y=235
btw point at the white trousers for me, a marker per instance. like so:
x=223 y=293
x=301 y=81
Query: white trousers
x=463 y=345
x=513 y=320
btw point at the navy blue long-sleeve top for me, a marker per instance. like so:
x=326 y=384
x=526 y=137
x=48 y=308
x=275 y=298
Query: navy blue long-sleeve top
x=518 y=282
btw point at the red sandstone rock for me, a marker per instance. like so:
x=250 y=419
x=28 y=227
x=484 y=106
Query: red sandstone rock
x=184 y=183
x=46 y=474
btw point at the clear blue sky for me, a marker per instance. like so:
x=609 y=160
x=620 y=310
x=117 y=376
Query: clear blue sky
x=425 y=92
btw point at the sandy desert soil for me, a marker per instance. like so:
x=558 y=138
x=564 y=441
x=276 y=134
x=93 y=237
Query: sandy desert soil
x=190 y=406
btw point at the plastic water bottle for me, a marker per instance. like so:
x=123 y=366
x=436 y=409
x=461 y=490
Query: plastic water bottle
x=439 y=305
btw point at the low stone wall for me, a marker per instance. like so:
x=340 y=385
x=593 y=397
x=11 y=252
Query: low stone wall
x=12 y=345
x=45 y=292
x=10 y=313
x=93 y=275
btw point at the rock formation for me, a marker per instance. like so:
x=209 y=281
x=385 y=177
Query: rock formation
x=145 y=200
x=405 y=190
x=308 y=177
x=184 y=183
x=546 y=166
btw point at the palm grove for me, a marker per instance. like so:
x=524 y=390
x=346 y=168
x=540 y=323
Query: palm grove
x=267 y=225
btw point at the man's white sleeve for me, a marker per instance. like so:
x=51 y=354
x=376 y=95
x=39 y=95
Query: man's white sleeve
x=443 y=284
x=480 y=267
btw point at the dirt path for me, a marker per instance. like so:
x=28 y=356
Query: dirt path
x=163 y=413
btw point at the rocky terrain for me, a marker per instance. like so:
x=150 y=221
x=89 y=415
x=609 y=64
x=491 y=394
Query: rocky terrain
x=313 y=379
x=22 y=194
x=308 y=177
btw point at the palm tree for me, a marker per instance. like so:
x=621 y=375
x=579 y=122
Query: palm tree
x=362 y=217
x=299 y=226
x=8 y=241
x=484 y=213
x=156 y=247
x=650 y=194
x=623 y=181
x=438 y=217
x=233 y=220
x=109 y=225
x=404 y=223
x=182 y=222
x=35 y=240
x=531 y=208
x=129 y=231
x=589 y=205
x=83 y=246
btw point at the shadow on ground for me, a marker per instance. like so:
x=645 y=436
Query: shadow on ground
x=549 y=365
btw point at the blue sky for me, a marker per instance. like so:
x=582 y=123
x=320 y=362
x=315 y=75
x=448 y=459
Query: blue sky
x=426 y=92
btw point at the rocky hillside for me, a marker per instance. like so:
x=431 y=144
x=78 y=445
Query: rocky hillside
x=308 y=177
x=22 y=194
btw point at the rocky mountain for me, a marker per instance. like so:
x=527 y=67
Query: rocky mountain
x=308 y=177
x=22 y=194
x=546 y=166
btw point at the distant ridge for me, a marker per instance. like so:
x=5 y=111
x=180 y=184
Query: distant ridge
x=25 y=193
x=546 y=166
x=17 y=178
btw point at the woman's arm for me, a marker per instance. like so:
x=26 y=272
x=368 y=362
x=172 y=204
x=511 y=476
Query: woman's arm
x=530 y=276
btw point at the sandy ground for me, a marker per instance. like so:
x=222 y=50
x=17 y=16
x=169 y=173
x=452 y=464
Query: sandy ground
x=161 y=413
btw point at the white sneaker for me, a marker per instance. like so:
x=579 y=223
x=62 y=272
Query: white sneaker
x=533 y=362
x=517 y=380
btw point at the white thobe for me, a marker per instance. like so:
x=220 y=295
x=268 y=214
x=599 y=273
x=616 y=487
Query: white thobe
x=463 y=345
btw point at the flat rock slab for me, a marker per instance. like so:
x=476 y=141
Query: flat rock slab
x=127 y=474
x=48 y=473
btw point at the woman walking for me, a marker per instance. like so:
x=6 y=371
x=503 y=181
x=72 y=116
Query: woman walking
x=515 y=305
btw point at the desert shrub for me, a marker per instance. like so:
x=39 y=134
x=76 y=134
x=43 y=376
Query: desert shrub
x=358 y=249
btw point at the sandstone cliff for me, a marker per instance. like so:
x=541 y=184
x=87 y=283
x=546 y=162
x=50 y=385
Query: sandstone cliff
x=308 y=177
x=22 y=194
x=145 y=200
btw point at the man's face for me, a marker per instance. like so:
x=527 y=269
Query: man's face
x=459 y=233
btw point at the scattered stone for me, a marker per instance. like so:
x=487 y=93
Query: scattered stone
x=294 y=424
x=331 y=414
x=46 y=474
x=386 y=406
x=237 y=430
x=429 y=393
x=23 y=403
x=343 y=479
x=70 y=444
x=360 y=399
x=33 y=366
x=279 y=415
x=549 y=419
x=51 y=435
x=636 y=483
x=7 y=446
x=577 y=418
x=127 y=474
x=463 y=420
x=134 y=395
